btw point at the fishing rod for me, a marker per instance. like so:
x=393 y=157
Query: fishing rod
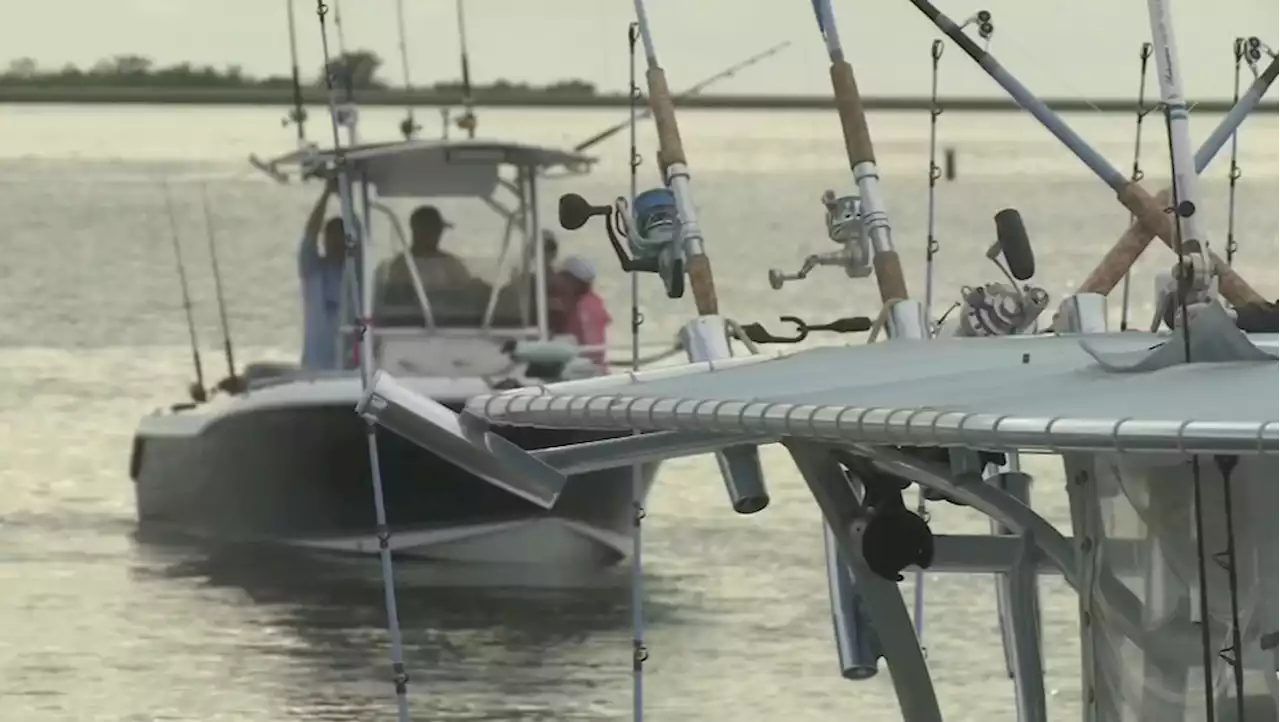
x=862 y=161
x=931 y=242
x=866 y=214
x=1144 y=56
x=931 y=248
x=468 y=120
x=408 y=127
x=364 y=341
x=1133 y=196
x=1197 y=484
x=689 y=92
x=1194 y=264
x=233 y=382
x=196 y=389
x=1233 y=175
x=298 y=116
x=349 y=116
x=675 y=170
x=337 y=27
x=639 y=650
x=1188 y=246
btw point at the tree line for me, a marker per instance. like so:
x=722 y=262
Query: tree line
x=357 y=69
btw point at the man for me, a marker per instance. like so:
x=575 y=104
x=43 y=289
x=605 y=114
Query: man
x=438 y=269
x=320 y=266
x=576 y=309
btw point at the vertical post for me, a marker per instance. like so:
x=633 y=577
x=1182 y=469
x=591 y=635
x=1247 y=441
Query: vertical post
x=1082 y=495
x=400 y=677
x=539 y=253
x=1018 y=604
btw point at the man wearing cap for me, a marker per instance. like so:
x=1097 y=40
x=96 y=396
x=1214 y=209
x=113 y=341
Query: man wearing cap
x=578 y=309
x=438 y=269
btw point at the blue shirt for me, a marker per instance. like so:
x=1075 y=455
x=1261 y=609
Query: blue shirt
x=321 y=281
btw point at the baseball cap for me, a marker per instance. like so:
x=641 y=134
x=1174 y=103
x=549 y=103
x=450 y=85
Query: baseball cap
x=428 y=216
x=580 y=268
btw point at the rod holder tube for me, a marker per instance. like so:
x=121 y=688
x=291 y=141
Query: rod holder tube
x=857 y=648
x=743 y=478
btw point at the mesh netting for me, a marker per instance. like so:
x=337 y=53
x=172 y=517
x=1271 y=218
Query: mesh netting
x=1143 y=629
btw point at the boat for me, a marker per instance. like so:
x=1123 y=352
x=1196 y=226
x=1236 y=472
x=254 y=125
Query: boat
x=283 y=459
x=275 y=456
x=1168 y=438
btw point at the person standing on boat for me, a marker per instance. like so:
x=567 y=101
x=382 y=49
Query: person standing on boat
x=321 y=256
x=576 y=308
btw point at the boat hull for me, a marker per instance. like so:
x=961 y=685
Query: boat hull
x=299 y=474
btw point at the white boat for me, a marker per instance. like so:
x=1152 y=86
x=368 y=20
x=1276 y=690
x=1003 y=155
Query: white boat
x=284 y=459
x=1168 y=439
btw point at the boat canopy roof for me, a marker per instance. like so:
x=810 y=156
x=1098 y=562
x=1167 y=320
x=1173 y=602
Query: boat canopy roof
x=1042 y=393
x=432 y=168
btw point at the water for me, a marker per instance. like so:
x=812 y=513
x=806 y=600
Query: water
x=98 y=626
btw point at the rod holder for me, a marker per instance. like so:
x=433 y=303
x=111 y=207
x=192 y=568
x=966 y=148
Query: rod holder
x=907 y=321
x=857 y=647
x=743 y=478
x=1082 y=313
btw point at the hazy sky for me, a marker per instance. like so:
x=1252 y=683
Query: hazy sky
x=1058 y=47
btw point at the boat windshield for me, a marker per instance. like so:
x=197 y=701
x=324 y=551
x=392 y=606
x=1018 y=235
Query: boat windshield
x=466 y=279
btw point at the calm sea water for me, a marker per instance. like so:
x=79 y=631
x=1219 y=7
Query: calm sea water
x=98 y=626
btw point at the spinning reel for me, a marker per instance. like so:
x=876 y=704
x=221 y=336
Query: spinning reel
x=1004 y=309
x=409 y=127
x=845 y=228
x=653 y=233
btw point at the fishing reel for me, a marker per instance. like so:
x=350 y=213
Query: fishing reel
x=845 y=228
x=653 y=233
x=409 y=127
x=467 y=122
x=998 y=309
x=1004 y=309
x=893 y=537
x=982 y=18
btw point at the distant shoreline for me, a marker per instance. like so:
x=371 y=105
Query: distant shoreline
x=112 y=95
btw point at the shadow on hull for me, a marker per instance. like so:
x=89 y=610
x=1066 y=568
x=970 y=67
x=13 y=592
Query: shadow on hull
x=301 y=477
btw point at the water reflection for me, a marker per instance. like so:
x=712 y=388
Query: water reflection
x=495 y=652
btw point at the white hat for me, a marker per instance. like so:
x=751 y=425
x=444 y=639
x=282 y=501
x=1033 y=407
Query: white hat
x=580 y=268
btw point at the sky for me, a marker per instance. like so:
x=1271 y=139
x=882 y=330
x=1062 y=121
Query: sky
x=1056 y=47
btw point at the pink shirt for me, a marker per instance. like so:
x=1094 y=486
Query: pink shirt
x=587 y=323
